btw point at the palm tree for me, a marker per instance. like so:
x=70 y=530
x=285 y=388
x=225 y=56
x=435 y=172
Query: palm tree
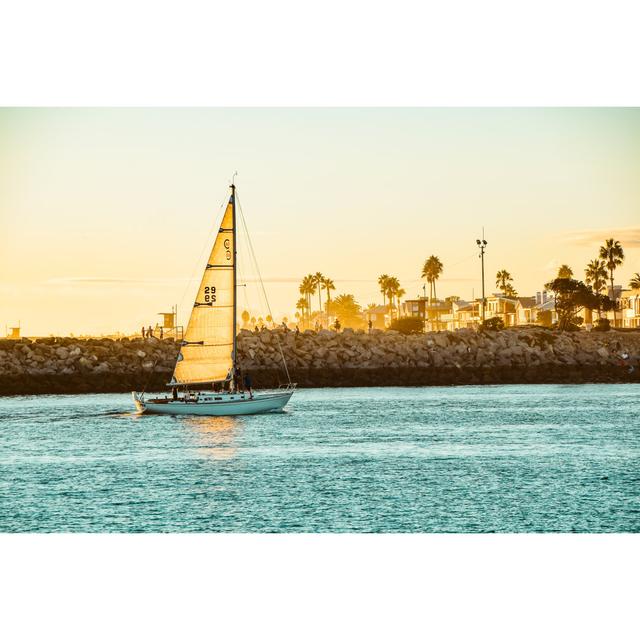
x=596 y=275
x=347 y=310
x=393 y=284
x=510 y=291
x=565 y=272
x=400 y=294
x=303 y=306
x=328 y=286
x=503 y=282
x=307 y=289
x=383 y=281
x=634 y=283
x=613 y=255
x=318 y=280
x=431 y=270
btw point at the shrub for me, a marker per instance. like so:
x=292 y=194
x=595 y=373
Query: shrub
x=494 y=324
x=410 y=324
x=573 y=325
x=602 y=324
x=544 y=318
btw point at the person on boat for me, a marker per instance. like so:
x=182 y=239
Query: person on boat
x=174 y=393
x=237 y=380
x=247 y=384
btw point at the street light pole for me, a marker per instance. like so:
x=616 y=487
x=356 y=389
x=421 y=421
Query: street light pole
x=482 y=244
x=424 y=304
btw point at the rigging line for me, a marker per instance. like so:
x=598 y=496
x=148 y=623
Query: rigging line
x=248 y=283
x=242 y=258
x=261 y=301
x=206 y=242
x=146 y=382
x=264 y=293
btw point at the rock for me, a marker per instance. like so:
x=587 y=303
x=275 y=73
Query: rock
x=62 y=353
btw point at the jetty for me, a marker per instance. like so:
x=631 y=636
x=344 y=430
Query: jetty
x=328 y=358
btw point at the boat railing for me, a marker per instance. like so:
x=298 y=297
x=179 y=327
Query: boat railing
x=288 y=386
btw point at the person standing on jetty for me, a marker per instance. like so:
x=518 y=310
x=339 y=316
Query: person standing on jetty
x=144 y=334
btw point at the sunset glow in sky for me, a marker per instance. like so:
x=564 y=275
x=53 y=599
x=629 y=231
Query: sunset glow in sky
x=106 y=215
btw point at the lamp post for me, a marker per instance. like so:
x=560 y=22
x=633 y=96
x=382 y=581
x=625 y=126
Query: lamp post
x=482 y=245
x=424 y=305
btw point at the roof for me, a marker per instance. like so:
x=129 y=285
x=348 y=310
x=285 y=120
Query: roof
x=528 y=303
x=547 y=306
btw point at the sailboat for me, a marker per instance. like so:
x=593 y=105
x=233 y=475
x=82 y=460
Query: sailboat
x=208 y=353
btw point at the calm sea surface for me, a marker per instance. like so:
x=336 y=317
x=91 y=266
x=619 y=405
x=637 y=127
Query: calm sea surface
x=456 y=459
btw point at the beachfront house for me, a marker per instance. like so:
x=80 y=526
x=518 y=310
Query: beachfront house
x=436 y=315
x=467 y=314
x=379 y=316
x=629 y=309
x=526 y=311
x=499 y=306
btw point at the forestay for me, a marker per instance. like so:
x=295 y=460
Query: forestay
x=206 y=354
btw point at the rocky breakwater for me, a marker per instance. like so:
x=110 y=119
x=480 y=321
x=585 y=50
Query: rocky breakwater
x=69 y=365
x=326 y=358
x=466 y=356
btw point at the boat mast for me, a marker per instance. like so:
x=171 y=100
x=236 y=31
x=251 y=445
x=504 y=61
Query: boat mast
x=235 y=288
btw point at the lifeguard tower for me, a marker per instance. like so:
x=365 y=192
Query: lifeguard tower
x=169 y=325
x=13 y=333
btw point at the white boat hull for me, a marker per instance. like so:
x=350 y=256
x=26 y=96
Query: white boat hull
x=210 y=404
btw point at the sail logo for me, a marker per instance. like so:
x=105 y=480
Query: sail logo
x=227 y=246
x=209 y=294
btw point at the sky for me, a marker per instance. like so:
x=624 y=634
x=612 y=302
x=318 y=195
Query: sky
x=107 y=215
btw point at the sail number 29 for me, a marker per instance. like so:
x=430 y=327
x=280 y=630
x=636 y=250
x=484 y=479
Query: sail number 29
x=209 y=294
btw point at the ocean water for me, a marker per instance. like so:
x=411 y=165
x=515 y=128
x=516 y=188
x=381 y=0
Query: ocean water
x=530 y=458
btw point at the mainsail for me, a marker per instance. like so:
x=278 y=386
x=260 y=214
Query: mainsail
x=206 y=354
